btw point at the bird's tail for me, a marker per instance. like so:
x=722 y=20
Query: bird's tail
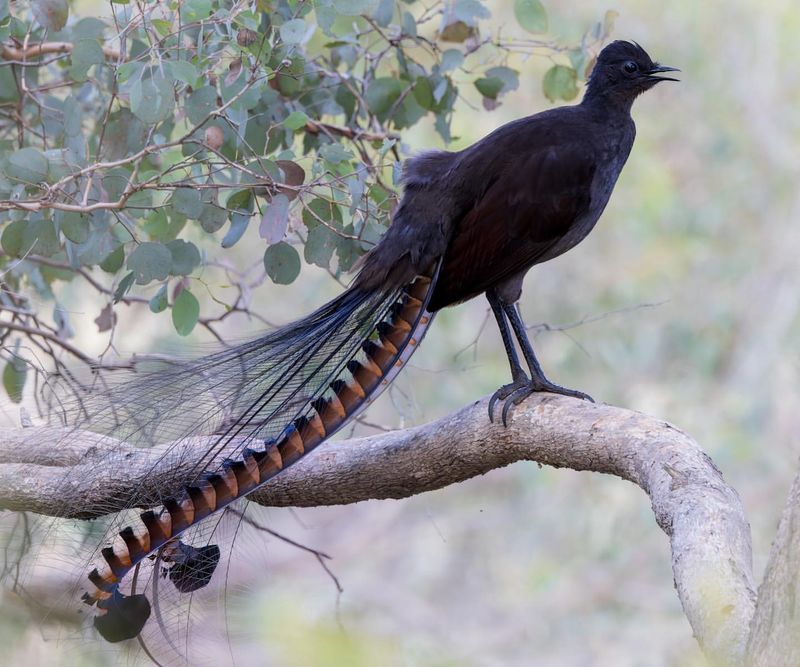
x=273 y=400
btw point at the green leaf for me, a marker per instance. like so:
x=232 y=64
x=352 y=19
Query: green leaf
x=423 y=93
x=163 y=229
x=113 y=262
x=335 y=153
x=213 y=216
x=152 y=100
x=282 y=263
x=509 y=77
x=150 y=261
x=185 y=312
x=489 y=86
x=195 y=10
x=241 y=199
x=295 y=120
x=469 y=11
x=159 y=302
x=88 y=28
x=239 y=221
x=124 y=286
x=85 y=53
x=40 y=238
x=451 y=59
x=188 y=202
x=74 y=225
x=531 y=15
x=324 y=210
x=73 y=118
x=560 y=82
x=355 y=7
x=384 y=12
x=292 y=32
x=201 y=103
x=14 y=375
x=319 y=247
x=12 y=239
x=28 y=165
x=50 y=14
x=382 y=93
x=185 y=257
x=183 y=70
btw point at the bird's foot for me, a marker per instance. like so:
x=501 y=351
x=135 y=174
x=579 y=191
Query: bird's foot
x=505 y=391
x=513 y=394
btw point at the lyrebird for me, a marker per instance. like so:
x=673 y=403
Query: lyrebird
x=470 y=222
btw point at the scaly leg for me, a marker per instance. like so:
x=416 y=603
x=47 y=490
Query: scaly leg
x=519 y=377
x=522 y=387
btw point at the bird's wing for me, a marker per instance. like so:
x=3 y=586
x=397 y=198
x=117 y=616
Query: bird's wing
x=527 y=215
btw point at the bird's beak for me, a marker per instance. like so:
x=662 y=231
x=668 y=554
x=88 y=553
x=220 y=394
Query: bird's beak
x=657 y=69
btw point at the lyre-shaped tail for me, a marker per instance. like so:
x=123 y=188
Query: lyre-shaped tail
x=375 y=355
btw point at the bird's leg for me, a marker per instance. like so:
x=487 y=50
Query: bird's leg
x=538 y=381
x=518 y=376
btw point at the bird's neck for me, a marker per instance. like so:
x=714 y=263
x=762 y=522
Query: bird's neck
x=607 y=102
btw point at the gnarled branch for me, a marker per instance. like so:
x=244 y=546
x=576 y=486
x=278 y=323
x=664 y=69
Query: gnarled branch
x=701 y=514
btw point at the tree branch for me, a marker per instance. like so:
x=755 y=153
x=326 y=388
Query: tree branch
x=701 y=514
x=9 y=52
x=775 y=632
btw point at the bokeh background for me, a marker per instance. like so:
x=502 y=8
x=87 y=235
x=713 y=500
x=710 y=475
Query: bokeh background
x=683 y=303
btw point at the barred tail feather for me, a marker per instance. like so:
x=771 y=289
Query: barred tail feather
x=283 y=395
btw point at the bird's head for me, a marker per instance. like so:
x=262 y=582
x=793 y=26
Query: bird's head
x=624 y=70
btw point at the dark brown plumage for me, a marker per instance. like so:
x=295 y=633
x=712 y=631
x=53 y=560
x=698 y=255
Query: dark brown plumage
x=526 y=193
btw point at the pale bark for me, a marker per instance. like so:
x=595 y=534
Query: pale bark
x=701 y=514
x=775 y=635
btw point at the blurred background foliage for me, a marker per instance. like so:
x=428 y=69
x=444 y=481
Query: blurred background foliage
x=682 y=303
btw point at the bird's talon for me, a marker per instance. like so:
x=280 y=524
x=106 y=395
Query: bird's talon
x=513 y=394
x=504 y=392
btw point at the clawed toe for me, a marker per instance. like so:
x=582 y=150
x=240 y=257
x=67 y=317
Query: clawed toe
x=503 y=393
x=513 y=394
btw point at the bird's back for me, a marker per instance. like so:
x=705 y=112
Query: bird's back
x=526 y=192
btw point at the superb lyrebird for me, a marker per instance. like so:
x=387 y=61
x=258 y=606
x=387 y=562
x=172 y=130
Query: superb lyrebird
x=470 y=222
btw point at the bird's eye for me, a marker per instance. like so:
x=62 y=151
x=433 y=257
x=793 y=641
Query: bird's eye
x=630 y=67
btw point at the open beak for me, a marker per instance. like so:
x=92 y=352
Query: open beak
x=657 y=69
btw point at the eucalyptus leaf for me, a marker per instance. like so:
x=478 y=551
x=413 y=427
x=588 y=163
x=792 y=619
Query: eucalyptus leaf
x=159 y=302
x=85 y=53
x=355 y=7
x=239 y=222
x=282 y=263
x=275 y=219
x=124 y=286
x=451 y=59
x=183 y=70
x=74 y=225
x=152 y=100
x=150 y=261
x=187 y=201
x=28 y=165
x=335 y=153
x=201 y=103
x=185 y=257
x=185 y=312
x=15 y=374
x=382 y=93
x=531 y=15
x=295 y=120
x=292 y=32
x=320 y=244
x=40 y=238
x=560 y=82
